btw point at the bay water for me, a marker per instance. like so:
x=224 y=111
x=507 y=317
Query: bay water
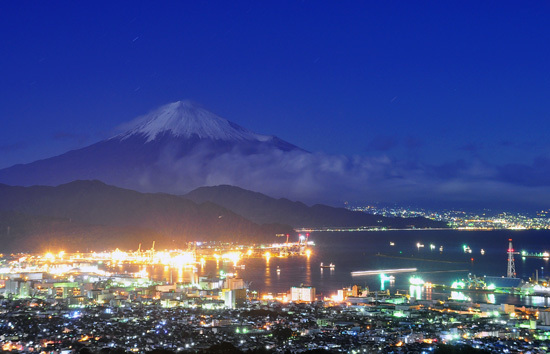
x=438 y=255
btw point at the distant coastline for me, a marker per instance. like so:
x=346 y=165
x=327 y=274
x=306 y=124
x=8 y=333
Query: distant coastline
x=361 y=229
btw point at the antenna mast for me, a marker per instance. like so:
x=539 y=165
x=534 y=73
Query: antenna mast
x=511 y=263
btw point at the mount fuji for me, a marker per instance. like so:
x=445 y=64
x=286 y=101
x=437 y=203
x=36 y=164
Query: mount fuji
x=188 y=120
x=175 y=149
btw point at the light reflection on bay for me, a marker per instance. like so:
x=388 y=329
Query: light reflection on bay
x=358 y=251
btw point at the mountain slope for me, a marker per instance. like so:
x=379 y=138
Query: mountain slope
x=21 y=232
x=186 y=119
x=263 y=209
x=98 y=206
x=174 y=149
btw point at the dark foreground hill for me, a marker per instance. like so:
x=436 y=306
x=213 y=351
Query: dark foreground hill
x=93 y=215
x=90 y=215
x=24 y=233
x=262 y=209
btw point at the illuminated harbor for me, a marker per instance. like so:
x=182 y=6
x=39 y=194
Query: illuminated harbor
x=196 y=254
x=214 y=278
x=275 y=177
x=160 y=310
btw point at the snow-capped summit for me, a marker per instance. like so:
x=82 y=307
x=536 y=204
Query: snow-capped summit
x=187 y=119
x=175 y=148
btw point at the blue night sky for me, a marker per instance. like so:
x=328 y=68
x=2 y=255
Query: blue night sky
x=457 y=88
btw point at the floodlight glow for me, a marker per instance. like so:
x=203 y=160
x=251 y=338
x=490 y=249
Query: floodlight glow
x=458 y=285
x=232 y=256
x=416 y=281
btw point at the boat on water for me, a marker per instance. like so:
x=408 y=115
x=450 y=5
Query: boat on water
x=331 y=266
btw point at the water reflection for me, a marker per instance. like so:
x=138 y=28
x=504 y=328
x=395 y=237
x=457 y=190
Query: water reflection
x=180 y=275
x=167 y=273
x=460 y=296
x=536 y=300
x=186 y=275
x=415 y=291
x=428 y=293
x=267 y=274
x=308 y=271
x=384 y=278
x=295 y=272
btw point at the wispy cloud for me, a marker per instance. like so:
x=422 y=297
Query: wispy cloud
x=13 y=147
x=536 y=174
x=383 y=143
x=518 y=145
x=472 y=147
x=317 y=177
x=79 y=138
x=412 y=142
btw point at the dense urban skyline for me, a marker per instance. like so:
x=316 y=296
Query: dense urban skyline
x=451 y=95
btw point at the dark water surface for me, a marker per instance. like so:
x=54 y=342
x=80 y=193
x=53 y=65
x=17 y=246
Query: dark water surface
x=358 y=251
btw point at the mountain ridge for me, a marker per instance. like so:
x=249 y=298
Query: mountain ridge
x=174 y=149
x=187 y=119
x=85 y=214
x=95 y=205
x=260 y=208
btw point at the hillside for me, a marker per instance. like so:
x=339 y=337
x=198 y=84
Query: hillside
x=261 y=208
x=95 y=211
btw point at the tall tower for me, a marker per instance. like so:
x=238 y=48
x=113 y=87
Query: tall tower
x=511 y=264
